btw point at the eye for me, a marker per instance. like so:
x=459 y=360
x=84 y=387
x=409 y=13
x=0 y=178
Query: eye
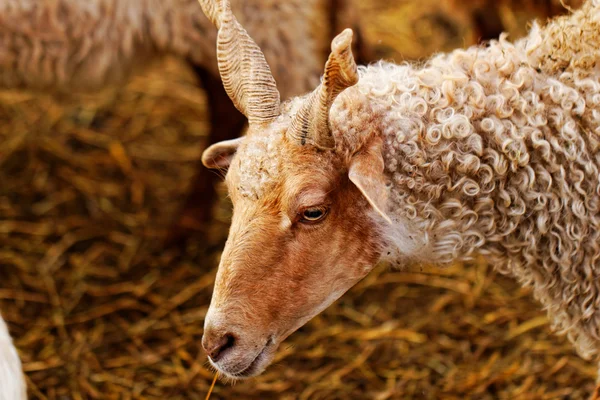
x=314 y=214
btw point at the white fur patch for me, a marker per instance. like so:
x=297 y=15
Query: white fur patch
x=12 y=381
x=405 y=241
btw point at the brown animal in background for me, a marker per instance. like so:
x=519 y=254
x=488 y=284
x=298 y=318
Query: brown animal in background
x=490 y=150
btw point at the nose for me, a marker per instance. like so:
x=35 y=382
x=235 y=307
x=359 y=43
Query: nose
x=215 y=343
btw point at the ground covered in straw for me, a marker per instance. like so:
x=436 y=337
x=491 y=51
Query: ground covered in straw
x=99 y=309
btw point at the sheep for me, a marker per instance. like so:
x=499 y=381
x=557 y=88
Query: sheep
x=65 y=46
x=491 y=150
x=68 y=45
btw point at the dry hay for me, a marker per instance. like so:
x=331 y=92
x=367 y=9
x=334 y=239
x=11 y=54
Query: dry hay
x=99 y=309
x=413 y=29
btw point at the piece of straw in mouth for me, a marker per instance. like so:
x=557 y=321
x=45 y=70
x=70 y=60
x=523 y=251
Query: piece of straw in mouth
x=212 y=386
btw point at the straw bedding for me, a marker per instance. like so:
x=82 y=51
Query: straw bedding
x=100 y=309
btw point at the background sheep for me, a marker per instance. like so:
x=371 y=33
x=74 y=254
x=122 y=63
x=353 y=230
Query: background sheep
x=67 y=45
x=96 y=308
x=490 y=150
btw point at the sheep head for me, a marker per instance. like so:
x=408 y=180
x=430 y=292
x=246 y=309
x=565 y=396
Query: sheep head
x=308 y=207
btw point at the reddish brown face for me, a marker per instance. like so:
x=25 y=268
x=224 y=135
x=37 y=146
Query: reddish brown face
x=291 y=253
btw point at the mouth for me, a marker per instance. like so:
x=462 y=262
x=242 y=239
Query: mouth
x=256 y=366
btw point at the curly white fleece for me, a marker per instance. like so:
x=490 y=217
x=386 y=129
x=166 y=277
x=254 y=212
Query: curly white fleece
x=496 y=150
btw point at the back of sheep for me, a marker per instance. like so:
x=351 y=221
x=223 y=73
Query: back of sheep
x=65 y=45
x=552 y=48
x=568 y=51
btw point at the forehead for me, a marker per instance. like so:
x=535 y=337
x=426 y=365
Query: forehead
x=281 y=177
x=258 y=164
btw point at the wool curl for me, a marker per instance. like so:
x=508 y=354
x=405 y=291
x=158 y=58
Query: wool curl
x=494 y=150
x=68 y=45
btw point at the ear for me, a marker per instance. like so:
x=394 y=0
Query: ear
x=366 y=172
x=219 y=155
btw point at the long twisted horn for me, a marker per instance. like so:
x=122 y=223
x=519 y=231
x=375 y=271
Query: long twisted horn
x=311 y=123
x=245 y=73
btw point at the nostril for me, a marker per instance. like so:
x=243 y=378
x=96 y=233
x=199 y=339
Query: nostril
x=217 y=346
